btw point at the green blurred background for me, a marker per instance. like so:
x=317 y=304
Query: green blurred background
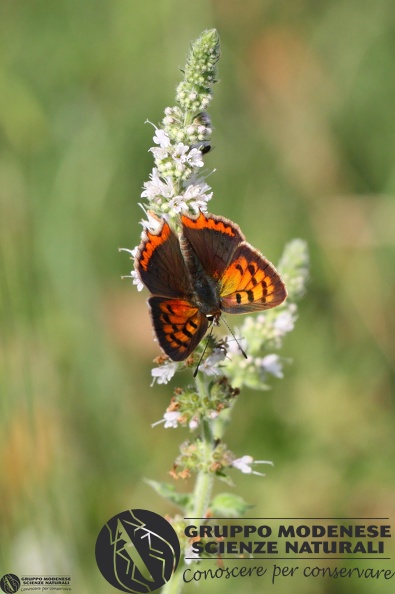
x=304 y=129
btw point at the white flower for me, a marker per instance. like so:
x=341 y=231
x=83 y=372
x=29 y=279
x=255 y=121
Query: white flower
x=157 y=186
x=271 y=364
x=178 y=204
x=170 y=419
x=164 y=373
x=159 y=153
x=136 y=280
x=180 y=155
x=194 y=197
x=134 y=275
x=152 y=223
x=197 y=196
x=195 y=158
x=198 y=205
x=285 y=320
x=180 y=152
x=161 y=138
x=198 y=191
x=210 y=365
x=245 y=462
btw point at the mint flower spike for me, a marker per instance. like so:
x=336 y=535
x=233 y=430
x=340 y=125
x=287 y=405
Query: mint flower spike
x=176 y=186
x=176 y=183
x=194 y=92
x=294 y=268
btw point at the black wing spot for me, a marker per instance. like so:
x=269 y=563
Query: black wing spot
x=251 y=269
x=250 y=296
x=187 y=333
x=238 y=297
x=264 y=291
x=239 y=268
x=254 y=281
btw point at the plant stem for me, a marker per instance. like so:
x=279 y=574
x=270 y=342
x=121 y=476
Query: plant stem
x=203 y=487
x=205 y=478
x=174 y=586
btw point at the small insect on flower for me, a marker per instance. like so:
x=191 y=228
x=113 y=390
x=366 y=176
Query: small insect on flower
x=194 y=277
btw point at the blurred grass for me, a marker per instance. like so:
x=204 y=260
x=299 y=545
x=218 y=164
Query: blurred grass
x=304 y=122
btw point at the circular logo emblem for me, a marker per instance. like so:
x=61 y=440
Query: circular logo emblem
x=10 y=583
x=137 y=551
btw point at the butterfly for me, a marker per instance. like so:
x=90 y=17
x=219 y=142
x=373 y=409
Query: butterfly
x=195 y=276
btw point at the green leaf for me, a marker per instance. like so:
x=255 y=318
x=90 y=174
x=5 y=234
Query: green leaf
x=168 y=491
x=228 y=505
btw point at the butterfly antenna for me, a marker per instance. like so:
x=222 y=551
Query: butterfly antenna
x=237 y=342
x=202 y=355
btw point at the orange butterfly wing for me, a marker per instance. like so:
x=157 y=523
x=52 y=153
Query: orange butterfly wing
x=250 y=283
x=178 y=324
x=247 y=281
x=160 y=264
x=214 y=240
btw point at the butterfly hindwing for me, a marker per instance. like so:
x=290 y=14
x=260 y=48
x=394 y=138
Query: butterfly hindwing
x=250 y=283
x=213 y=240
x=179 y=326
x=160 y=264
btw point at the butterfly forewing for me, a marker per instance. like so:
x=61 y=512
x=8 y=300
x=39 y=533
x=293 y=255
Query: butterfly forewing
x=250 y=283
x=160 y=264
x=213 y=240
x=179 y=326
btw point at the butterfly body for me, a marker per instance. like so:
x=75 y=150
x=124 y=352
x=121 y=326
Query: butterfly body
x=205 y=291
x=194 y=277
